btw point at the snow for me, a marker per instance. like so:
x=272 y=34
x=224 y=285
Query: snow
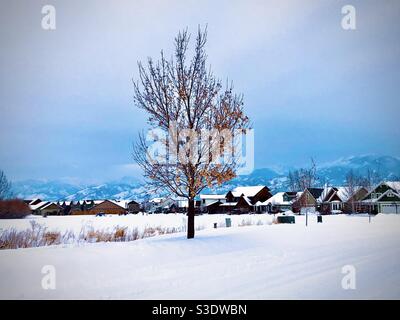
x=247 y=191
x=39 y=205
x=395 y=185
x=276 y=199
x=254 y=262
x=228 y=204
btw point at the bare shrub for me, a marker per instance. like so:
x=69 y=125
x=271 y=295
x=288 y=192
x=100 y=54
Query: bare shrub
x=52 y=238
x=38 y=235
x=120 y=234
x=13 y=209
x=245 y=222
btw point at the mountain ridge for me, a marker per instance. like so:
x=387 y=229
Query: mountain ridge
x=388 y=167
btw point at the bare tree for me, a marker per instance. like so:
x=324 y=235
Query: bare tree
x=352 y=184
x=184 y=100
x=303 y=178
x=371 y=179
x=5 y=186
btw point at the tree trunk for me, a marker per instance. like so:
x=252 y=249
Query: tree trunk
x=190 y=226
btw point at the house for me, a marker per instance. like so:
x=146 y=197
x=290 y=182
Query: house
x=51 y=209
x=77 y=207
x=122 y=203
x=36 y=204
x=160 y=205
x=107 y=207
x=209 y=203
x=383 y=198
x=181 y=204
x=280 y=202
x=341 y=199
x=213 y=207
x=239 y=200
x=308 y=201
x=207 y=199
x=133 y=206
x=253 y=194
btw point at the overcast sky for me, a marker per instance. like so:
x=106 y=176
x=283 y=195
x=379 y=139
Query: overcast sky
x=311 y=88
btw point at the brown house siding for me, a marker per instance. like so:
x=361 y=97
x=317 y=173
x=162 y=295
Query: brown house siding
x=107 y=207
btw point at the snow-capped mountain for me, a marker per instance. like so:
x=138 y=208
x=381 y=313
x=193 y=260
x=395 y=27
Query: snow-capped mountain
x=386 y=167
x=46 y=190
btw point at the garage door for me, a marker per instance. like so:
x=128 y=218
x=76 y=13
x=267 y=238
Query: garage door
x=390 y=208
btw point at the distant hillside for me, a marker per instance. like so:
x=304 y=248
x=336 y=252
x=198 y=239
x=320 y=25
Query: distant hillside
x=386 y=166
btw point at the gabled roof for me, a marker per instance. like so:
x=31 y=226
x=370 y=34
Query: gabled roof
x=213 y=203
x=316 y=192
x=247 y=191
x=38 y=205
x=343 y=193
x=35 y=201
x=247 y=200
x=395 y=185
x=277 y=199
x=107 y=201
x=228 y=204
x=121 y=203
x=50 y=204
x=397 y=194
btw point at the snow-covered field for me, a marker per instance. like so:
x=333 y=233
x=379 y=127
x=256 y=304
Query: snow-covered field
x=249 y=262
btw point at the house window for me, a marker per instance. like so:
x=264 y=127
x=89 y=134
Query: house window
x=390 y=194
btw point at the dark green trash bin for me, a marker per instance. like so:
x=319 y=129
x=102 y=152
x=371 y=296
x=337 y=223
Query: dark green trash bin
x=319 y=219
x=286 y=219
x=228 y=222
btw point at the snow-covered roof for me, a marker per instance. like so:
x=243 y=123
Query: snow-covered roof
x=276 y=199
x=343 y=193
x=228 y=204
x=212 y=202
x=34 y=200
x=49 y=204
x=247 y=200
x=317 y=193
x=381 y=196
x=212 y=196
x=395 y=185
x=247 y=191
x=38 y=205
x=156 y=200
x=121 y=203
